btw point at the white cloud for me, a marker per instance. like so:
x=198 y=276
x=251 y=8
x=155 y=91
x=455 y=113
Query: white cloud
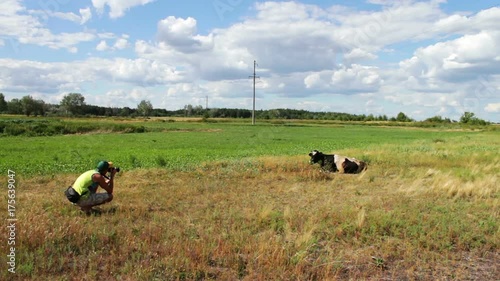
x=357 y=78
x=464 y=24
x=117 y=8
x=303 y=51
x=30 y=76
x=121 y=43
x=85 y=14
x=492 y=107
x=128 y=97
x=64 y=16
x=180 y=34
x=399 y=21
x=16 y=23
x=464 y=58
x=313 y=80
x=10 y=7
x=102 y=46
x=358 y=54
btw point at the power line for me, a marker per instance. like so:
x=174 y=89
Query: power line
x=254 y=76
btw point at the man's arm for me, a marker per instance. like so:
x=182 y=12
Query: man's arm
x=106 y=184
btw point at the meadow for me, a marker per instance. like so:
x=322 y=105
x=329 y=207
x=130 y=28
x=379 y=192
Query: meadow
x=231 y=201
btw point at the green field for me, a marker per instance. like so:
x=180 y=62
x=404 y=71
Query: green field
x=232 y=201
x=184 y=145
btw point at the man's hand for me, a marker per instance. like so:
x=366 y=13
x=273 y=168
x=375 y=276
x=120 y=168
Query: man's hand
x=104 y=182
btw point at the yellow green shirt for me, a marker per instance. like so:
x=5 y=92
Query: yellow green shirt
x=84 y=184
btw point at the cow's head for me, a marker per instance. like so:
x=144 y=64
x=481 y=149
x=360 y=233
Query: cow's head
x=316 y=156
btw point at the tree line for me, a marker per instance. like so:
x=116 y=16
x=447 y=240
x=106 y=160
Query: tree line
x=73 y=104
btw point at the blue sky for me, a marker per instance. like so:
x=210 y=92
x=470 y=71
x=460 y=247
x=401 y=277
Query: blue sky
x=423 y=58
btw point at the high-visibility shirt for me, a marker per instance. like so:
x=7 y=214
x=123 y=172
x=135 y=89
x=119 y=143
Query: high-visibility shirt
x=84 y=184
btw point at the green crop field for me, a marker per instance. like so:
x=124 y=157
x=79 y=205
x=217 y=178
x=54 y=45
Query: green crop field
x=183 y=145
x=225 y=200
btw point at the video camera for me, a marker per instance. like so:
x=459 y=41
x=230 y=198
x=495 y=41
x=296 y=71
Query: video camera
x=111 y=167
x=114 y=168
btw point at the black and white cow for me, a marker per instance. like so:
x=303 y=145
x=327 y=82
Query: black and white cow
x=337 y=163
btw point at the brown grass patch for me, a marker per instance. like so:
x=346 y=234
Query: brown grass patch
x=266 y=217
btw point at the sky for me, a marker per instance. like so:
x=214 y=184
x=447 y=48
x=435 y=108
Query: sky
x=380 y=57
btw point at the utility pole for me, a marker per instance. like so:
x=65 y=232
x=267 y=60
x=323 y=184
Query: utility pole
x=206 y=106
x=254 y=76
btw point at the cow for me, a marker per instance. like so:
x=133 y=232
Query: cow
x=337 y=163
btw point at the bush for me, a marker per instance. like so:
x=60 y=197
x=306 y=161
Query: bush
x=470 y=119
x=32 y=128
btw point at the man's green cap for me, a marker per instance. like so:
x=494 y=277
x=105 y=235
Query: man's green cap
x=102 y=166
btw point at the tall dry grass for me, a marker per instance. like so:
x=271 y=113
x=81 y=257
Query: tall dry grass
x=425 y=211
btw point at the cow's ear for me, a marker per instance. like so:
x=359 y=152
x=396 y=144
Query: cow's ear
x=310 y=154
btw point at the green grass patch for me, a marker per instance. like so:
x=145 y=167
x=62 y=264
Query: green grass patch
x=186 y=146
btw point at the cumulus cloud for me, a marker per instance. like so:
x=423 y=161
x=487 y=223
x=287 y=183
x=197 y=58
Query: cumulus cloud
x=121 y=43
x=346 y=80
x=304 y=38
x=102 y=46
x=10 y=7
x=17 y=23
x=85 y=15
x=125 y=97
x=303 y=51
x=180 y=34
x=467 y=24
x=228 y=53
x=492 y=107
x=29 y=76
x=64 y=16
x=117 y=8
x=358 y=54
x=464 y=58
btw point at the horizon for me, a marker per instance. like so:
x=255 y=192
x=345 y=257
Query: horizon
x=376 y=116
x=379 y=57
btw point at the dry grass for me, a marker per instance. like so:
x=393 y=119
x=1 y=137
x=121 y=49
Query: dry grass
x=423 y=216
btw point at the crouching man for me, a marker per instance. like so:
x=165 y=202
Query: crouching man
x=83 y=192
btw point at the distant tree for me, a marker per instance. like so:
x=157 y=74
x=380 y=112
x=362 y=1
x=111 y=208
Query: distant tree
x=471 y=119
x=14 y=106
x=73 y=103
x=40 y=107
x=159 y=112
x=438 y=119
x=28 y=105
x=382 y=118
x=198 y=110
x=370 y=117
x=403 y=118
x=3 y=103
x=144 y=108
x=188 y=109
x=467 y=117
x=125 y=112
x=53 y=109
